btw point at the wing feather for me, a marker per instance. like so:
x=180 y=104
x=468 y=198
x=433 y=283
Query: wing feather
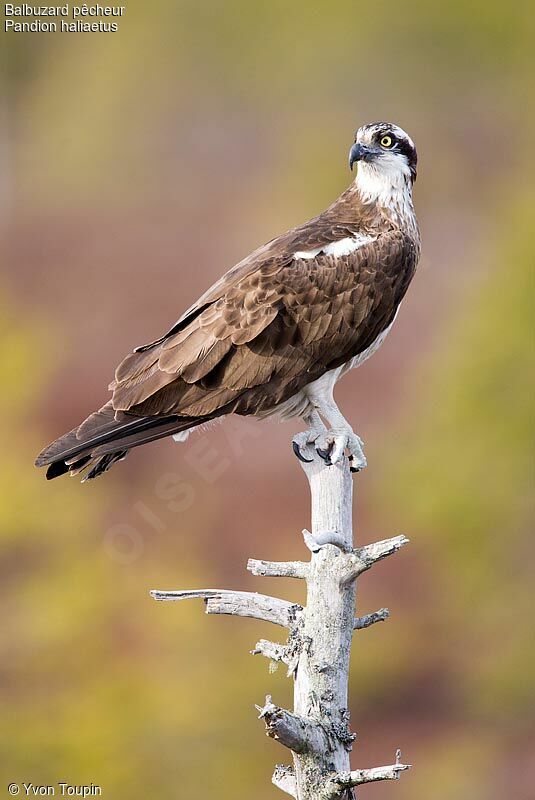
x=268 y=327
x=262 y=331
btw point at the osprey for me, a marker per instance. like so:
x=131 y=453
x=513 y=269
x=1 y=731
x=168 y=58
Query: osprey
x=278 y=330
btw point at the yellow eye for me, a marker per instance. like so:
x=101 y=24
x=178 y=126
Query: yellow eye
x=386 y=141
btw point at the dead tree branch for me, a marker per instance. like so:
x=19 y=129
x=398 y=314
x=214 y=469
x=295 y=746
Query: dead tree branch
x=278 y=569
x=299 y=734
x=317 y=651
x=371 y=619
x=240 y=604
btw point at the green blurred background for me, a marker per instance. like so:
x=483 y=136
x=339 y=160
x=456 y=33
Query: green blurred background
x=137 y=166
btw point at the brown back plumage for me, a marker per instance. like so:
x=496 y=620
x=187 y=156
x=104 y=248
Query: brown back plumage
x=269 y=326
x=274 y=323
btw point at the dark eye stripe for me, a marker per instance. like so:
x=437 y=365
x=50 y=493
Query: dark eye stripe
x=399 y=144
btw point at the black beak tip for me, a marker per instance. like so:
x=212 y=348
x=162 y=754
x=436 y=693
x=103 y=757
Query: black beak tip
x=355 y=154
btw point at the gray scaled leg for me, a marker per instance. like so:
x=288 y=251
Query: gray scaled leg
x=332 y=444
x=302 y=441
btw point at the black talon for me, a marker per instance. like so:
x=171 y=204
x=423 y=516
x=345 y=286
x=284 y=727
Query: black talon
x=325 y=455
x=353 y=469
x=297 y=451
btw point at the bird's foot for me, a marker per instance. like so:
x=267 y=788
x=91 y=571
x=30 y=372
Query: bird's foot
x=331 y=446
x=303 y=441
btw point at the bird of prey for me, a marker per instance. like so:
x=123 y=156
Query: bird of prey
x=278 y=330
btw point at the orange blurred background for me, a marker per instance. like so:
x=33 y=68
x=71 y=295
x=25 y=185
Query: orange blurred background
x=138 y=166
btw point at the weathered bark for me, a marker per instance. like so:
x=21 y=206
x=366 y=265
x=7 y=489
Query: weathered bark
x=321 y=681
x=318 y=648
x=240 y=604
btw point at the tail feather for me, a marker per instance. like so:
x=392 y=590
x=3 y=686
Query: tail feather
x=95 y=429
x=103 y=464
x=166 y=427
x=105 y=437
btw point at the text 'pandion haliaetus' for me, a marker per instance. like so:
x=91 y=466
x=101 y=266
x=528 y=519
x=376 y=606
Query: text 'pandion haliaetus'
x=277 y=331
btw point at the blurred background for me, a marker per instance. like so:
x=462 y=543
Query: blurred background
x=137 y=166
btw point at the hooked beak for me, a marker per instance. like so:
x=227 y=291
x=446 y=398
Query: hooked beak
x=359 y=152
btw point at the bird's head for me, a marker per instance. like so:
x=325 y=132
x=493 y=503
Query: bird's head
x=386 y=158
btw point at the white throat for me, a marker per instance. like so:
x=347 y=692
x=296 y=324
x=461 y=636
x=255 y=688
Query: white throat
x=389 y=185
x=382 y=183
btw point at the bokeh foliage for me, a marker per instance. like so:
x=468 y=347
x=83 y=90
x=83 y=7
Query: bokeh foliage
x=226 y=119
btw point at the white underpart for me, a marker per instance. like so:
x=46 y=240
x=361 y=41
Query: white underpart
x=358 y=360
x=183 y=436
x=343 y=247
x=321 y=390
x=323 y=387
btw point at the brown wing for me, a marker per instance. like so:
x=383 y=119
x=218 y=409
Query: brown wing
x=269 y=327
x=342 y=219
